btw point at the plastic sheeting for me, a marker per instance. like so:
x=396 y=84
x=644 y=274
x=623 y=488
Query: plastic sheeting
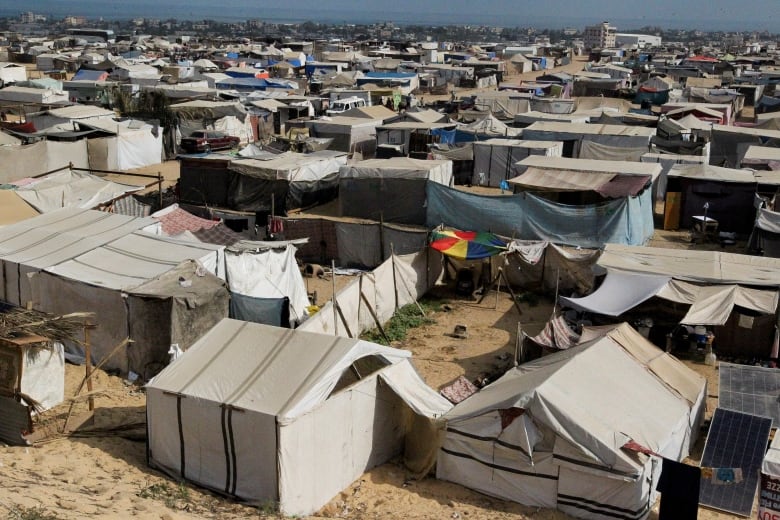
x=528 y=217
x=71 y=189
x=619 y=293
x=269 y=273
x=667 y=162
x=710 y=304
x=270 y=311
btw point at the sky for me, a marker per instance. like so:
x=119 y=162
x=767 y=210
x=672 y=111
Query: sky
x=690 y=14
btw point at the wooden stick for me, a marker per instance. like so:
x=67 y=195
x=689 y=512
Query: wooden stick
x=88 y=363
x=333 y=298
x=376 y=318
x=84 y=381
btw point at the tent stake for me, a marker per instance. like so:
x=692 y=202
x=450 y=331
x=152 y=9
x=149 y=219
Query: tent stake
x=376 y=319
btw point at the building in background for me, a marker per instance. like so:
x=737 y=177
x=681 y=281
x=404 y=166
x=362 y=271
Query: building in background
x=637 y=41
x=600 y=36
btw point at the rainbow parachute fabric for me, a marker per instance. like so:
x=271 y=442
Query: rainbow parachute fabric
x=467 y=245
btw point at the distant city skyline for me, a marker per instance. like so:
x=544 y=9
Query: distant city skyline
x=705 y=15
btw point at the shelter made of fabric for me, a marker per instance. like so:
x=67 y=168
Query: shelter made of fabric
x=710 y=304
x=255 y=401
x=530 y=438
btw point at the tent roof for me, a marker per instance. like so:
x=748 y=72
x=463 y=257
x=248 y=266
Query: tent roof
x=199 y=290
x=566 y=392
x=759 y=154
x=69 y=188
x=691 y=122
x=13 y=208
x=131 y=260
x=743 y=130
x=395 y=167
x=694 y=266
x=275 y=371
x=591 y=165
x=60 y=235
x=373 y=112
x=591 y=129
x=708 y=172
x=80 y=112
x=607 y=184
x=291 y=166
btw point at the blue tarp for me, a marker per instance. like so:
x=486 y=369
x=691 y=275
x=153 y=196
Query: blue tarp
x=248 y=73
x=526 y=216
x=232 y=55
x=445 y=136
x=88 y=75
x=243 y=84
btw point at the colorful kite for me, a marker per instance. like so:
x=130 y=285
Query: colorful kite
x=467 y=245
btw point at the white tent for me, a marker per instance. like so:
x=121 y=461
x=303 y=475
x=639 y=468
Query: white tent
x=629 y=137
x=135 y=144
x=267 y=270
x=267 y=414
x=553 y=432
x=52 y=238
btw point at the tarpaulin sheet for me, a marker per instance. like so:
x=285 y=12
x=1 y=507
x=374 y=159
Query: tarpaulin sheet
x=268 y=274
x=619 y=293
x=270 y=311
x=593 y=150
x=528 y=217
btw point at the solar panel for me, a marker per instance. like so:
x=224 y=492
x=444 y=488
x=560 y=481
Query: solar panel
x=735 y=440
x=748 y=389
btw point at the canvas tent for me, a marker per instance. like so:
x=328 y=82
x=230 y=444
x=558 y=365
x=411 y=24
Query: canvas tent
x=135 y=144
x=766 y=233
x=730 y=142
x=349 y=134
x=100 y=279
x=52 y=238
x=390 y=189
x=553 y=432
x=496 y=158
x=272 y=415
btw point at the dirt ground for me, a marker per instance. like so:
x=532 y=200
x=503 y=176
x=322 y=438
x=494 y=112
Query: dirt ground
x=101 y=471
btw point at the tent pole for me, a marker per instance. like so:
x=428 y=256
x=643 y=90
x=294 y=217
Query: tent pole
x=511 y=292
x=382 y=235
x=333 y=298
x=395 y=283
x=519 y=344
x=376 y=318
x=88 y=364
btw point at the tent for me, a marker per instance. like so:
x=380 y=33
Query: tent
x=177 y=307
x=52 y=238
x=730 y=142
x=22 y=161
x=272 y=415
x=349 y=134
x=728 y=192
x=667 y=160
x=496 y=158
x=101 y=279
x=295 y=180
x=467 y=245
x=486 y=127
x=766 y=233
x=265 y=283
x=392 y=190
x=135 y=144
x=554 y=432
x=574 y=135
